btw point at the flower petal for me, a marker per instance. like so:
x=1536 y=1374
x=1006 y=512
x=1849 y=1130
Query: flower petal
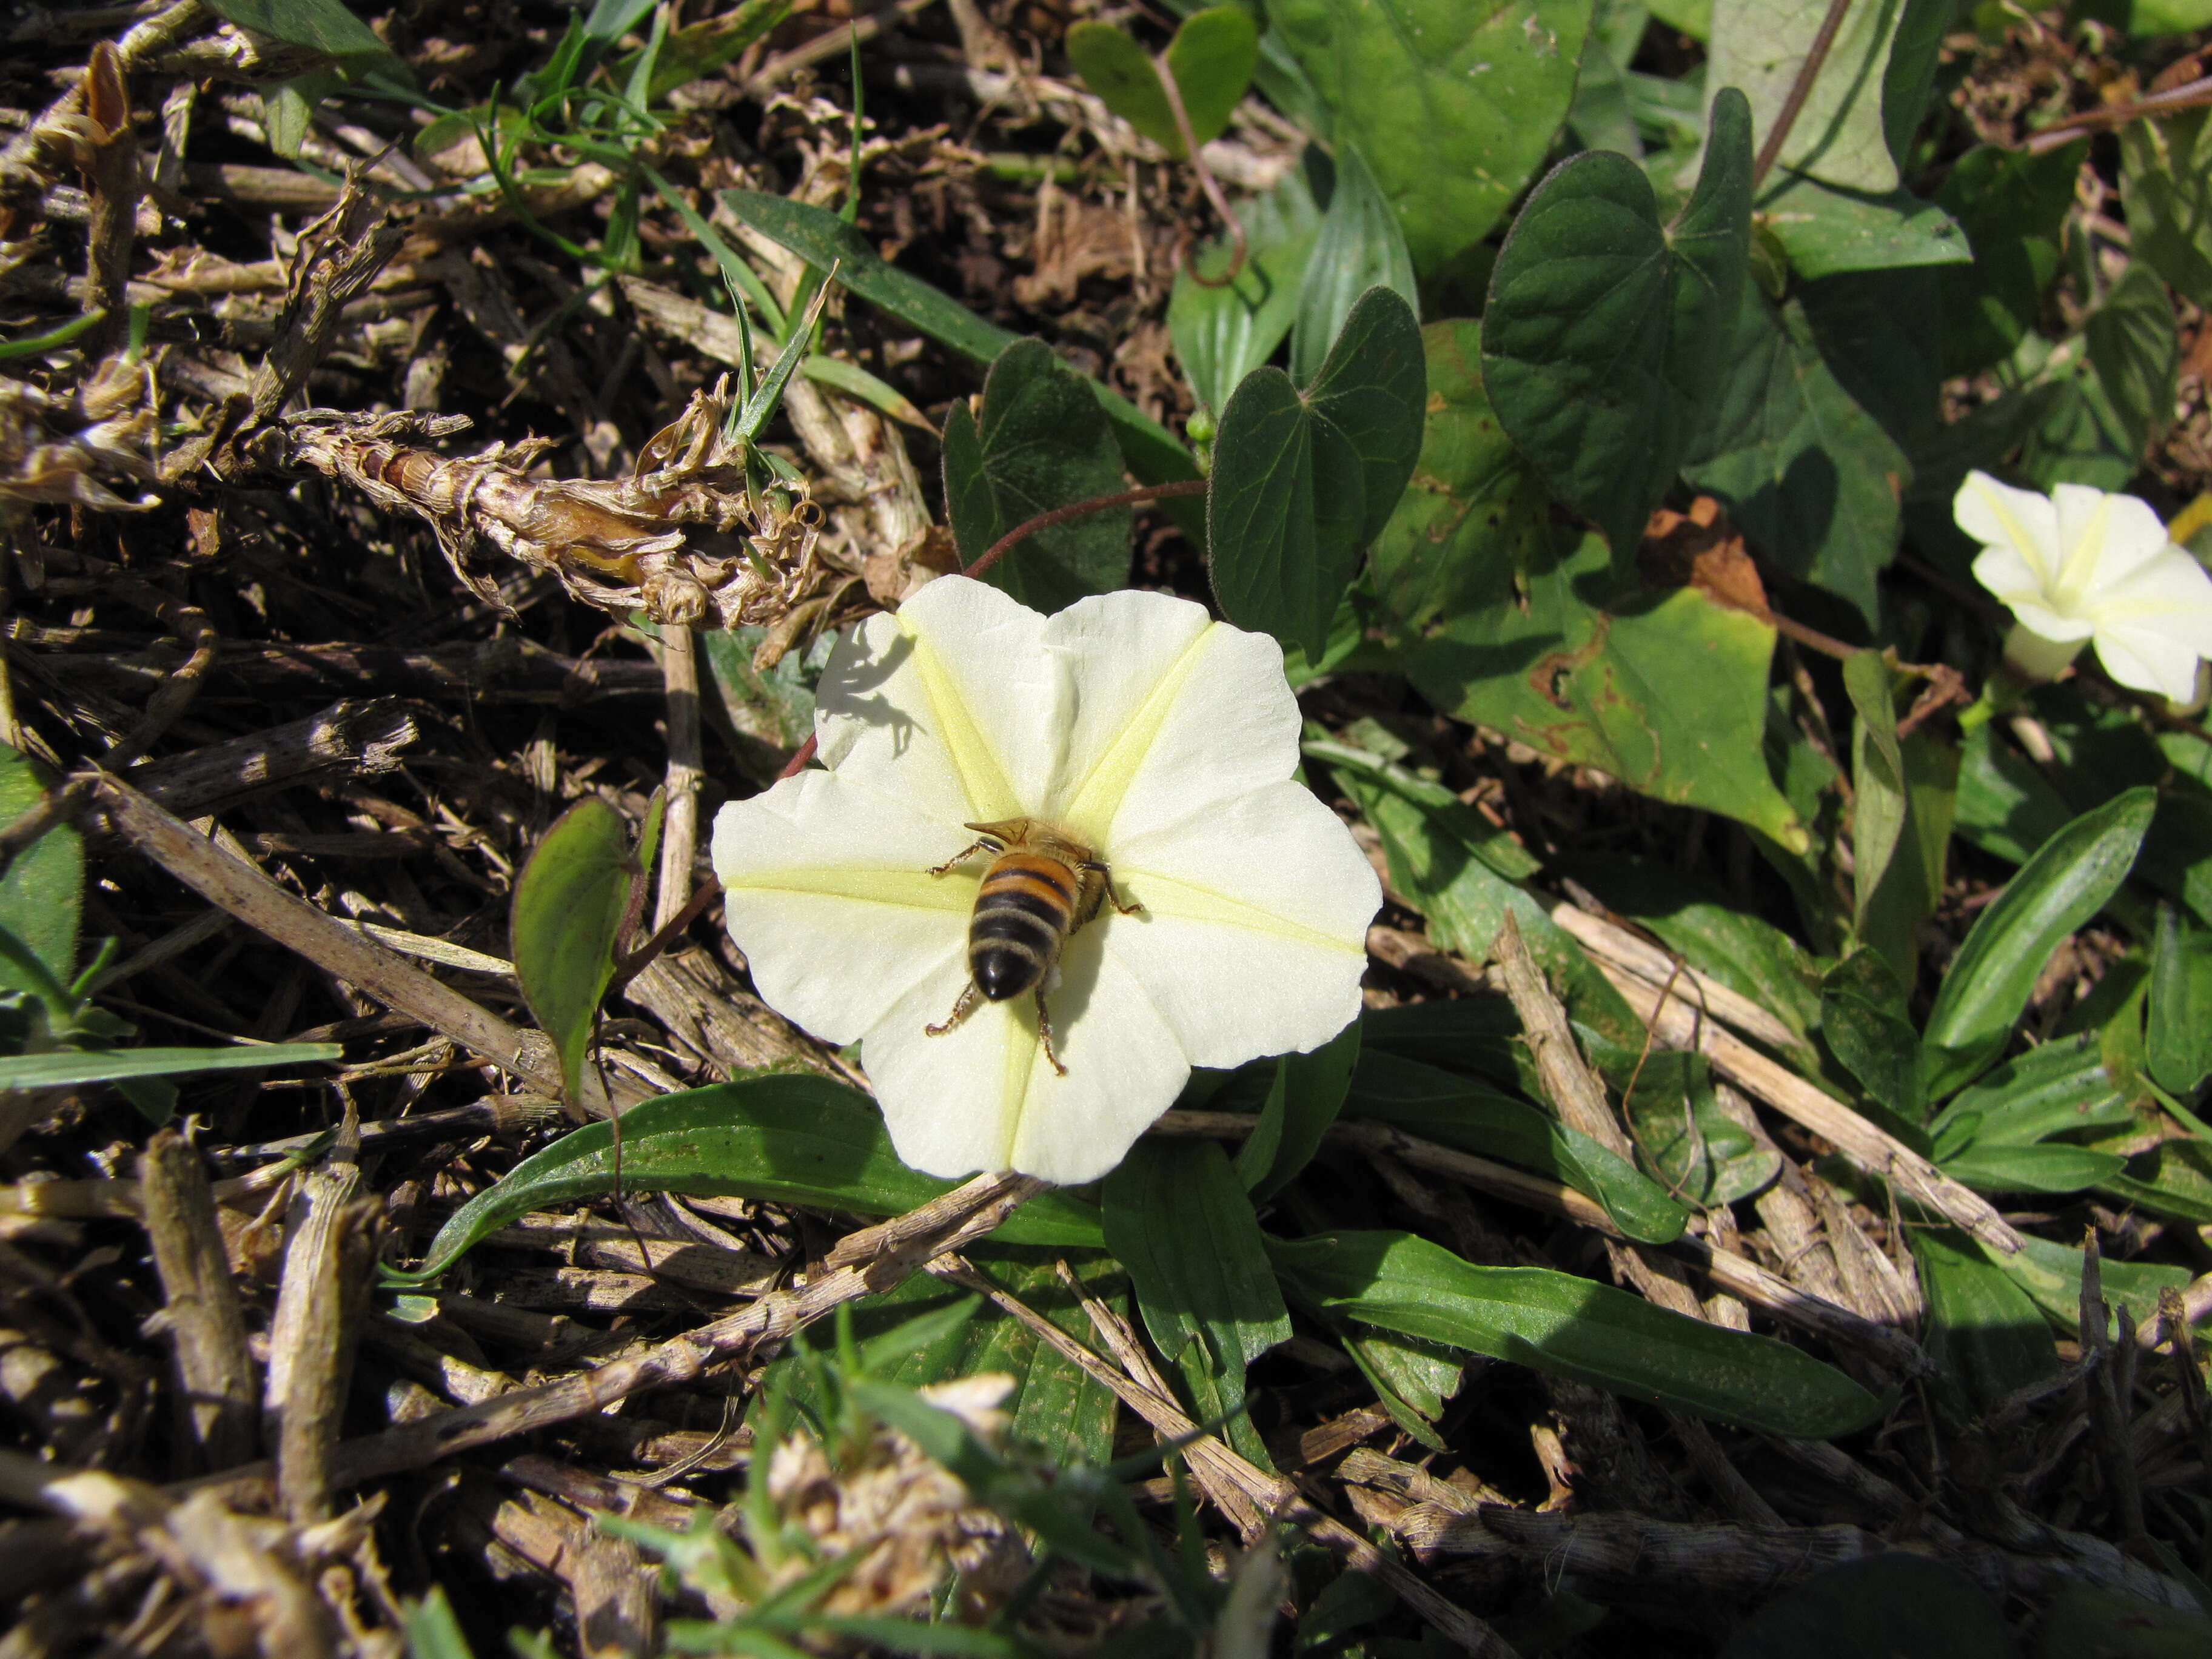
x=983 y=1096
x=953 y=702
x=2106 y=538
x=2154 y=624
x=2014 y=580
x=1253 y=936
x=826 y=888
x=1174 y=713
x=1999 y=516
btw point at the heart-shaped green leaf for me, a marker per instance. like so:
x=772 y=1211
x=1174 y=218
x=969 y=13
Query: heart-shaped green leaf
x=1303 y=481
x=1043 y=442
x=1454 y=105
x=569 y=904
x=1986 y=987
x=1602 y=346
x=1359 y=247
x=2165 y=179
x=1211 y=58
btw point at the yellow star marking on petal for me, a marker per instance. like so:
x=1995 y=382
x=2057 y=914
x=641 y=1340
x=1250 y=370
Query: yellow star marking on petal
x=1094 y=800
x=1186 y=902
x=990 y=797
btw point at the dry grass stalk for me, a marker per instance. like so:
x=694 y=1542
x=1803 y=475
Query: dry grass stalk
x=206 y=1323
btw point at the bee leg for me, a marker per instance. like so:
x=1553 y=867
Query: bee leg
x=1044 y=1034
x=1106 y=879
x=962 y=857
x=961 y=1010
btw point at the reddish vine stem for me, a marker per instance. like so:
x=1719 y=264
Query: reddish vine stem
x=633 y=963
x=1020 y=532
x=1206 y=182
x=1800 y=90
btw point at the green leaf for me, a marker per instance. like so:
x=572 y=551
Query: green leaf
x=1569 y=1326
x=432 y=1631
x=1222 y=334
x=1211 y=57
x=2052 y=1276
x=1055 y=1405
x=1308 y=1093
x=2059 y=1087
x=1179 y=1220
x=1454 y=105
x=1839 y=136
x=1901 y=826
x=43 y=889
x=823 y=239
x=2166 y=182
x=323 y=25
x=1603 y=342
x=1899 y=1606
x=1120 y=72
x=2136 y=349
x=565 y=926
x=1473 y=1118
x=2179 y=1046
x=697 y=49
x=1986 y=987
x=1043 y=443
x=1863 y=1019
x=1698 y=1152
x=781 y=1138
x=1994 y=1169
x=1826 y=229
x=1303 y=481
x=71 y=1068
x=2007 y=807
x=1441 y=856
x=1359 y=247
x=1809 y=475
x=1471 y=520
x=1602 y=115
x=1715 y=935
x=1984 y=1335
x=777 y=707
x=2011 y=205
x=1665 y=690
x=1411 y=1379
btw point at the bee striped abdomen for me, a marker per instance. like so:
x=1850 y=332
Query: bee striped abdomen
x=1023 y=913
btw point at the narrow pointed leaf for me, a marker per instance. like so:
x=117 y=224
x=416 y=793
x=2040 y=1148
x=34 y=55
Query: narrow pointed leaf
x=68 y=1067
x=1986 y=987
x=782 y=1137
x=1359 y=247
x=1568 y=1327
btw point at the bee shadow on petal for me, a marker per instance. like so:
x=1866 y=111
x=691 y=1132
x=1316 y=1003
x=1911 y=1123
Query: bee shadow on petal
x=852 y=689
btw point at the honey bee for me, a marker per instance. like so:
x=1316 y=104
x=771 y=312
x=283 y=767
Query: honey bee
x=1041 y=886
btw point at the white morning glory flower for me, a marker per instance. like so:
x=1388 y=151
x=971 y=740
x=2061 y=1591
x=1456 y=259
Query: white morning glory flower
x=1131 y=724
x=2078 y=565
